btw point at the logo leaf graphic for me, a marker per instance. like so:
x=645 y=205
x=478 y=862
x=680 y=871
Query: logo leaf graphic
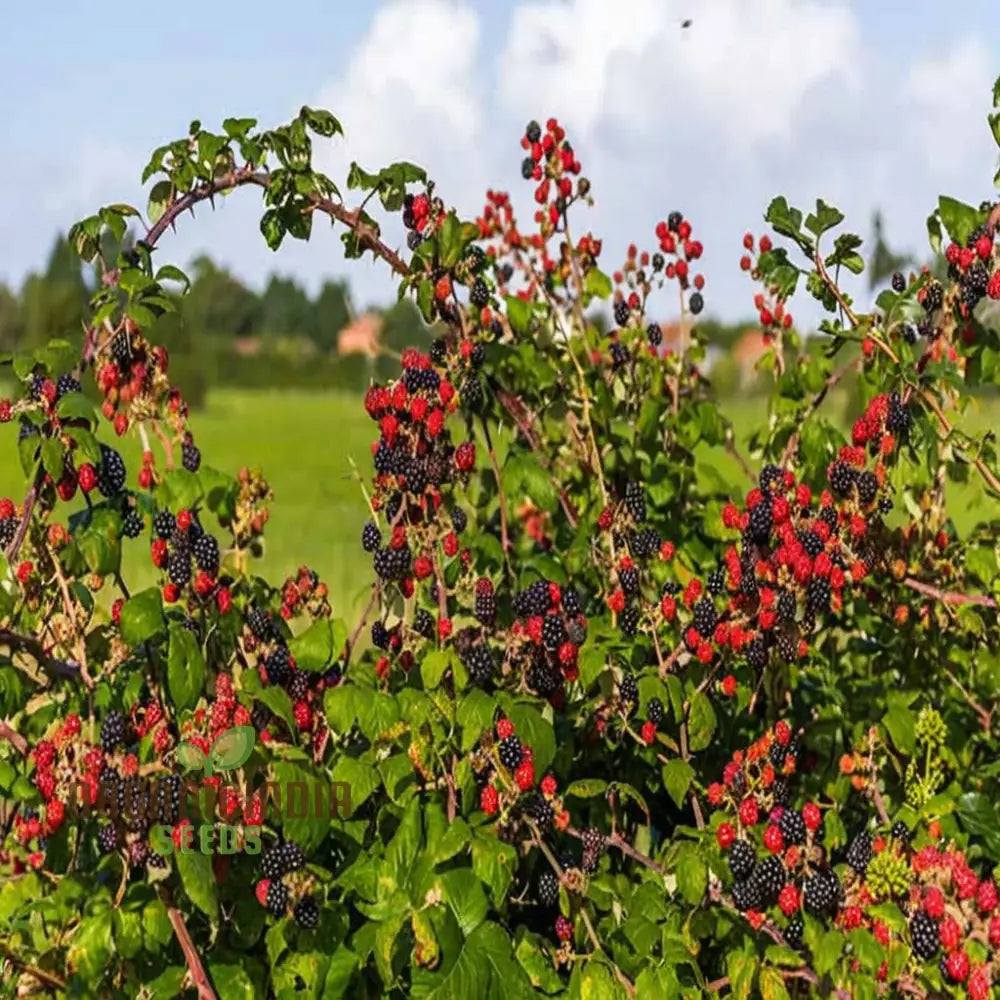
x=233 y=748
x=191 y=758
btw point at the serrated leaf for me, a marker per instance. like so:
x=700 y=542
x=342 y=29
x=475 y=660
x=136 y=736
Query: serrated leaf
x=677 y=777
x=142 y=616
x=198 y=879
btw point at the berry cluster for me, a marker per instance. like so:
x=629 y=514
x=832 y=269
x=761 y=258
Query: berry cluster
x=305 y=594
x=132 y=376
x=190 y=556
x=770 y=304
x=286 y=885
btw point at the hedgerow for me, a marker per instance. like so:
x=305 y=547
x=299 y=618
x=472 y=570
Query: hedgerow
x=610 y=725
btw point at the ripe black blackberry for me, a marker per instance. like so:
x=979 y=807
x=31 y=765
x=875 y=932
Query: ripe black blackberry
x=164 y=524
x=859 y=854
x=635 y=501
x=527 y=168
x=811 y=542
x=867 y=488
x=292 y=857
x=654 y=711
x=757 y=653
x=576 y=630
x=705 y=616
x=619 y=355
x=66 y=384
x=901 y=831
x=741 y=859
x=534 y=600
x=553 y=632
x=478 y=355
x=306 y=912
x=779 y=791
x=179 y=568
x=510 y=753
x=423 y=623
x=761 y=522
x=471 y=392
x=792 y=826
x=628 y=691
x=110 y=472
x=541 y=811
x=645 y=543
x=259 y=623
x=910 y=332
x=818 y=594
x=547 y=888
x=821 y=892
x=674 y=220
x=277 y=898
x=924 y=935
x=438 y=350
x=933 y=296
x=975 y=283
x=486 y=606
x=628 y=622
x=571 y=601
x=898 y=419
x=479 y=294
x=622 y=312
x=114 y=731
x=696 y=303
x=842 y=478
x=392 y=564
x=298 y=684
x=746 y=895
x=788 y=645
x=272 y=863
x=717 y=581
x=167 y=808
x=459 y=521
x=533 y=131
x=479 y=663
x=629 y=579
x=206 y=553
x=794 y=932
x=371 y=537
x=769 y=875
x=594 y=841
x=543 y=677
x=380 y=635
x=786 y=606
x=8 y=529
x=654 y=334
x=132 y=523
x=277 y=666
x=107 y=838
x=190 y=456
x=898 y=282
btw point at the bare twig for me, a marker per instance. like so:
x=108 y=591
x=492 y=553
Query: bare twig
x=195 y=968
x=947 y=596
x=46 y=978
x=14 y=738
x=34 y=648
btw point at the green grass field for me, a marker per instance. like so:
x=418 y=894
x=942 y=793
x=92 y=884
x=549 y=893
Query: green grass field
x=304 y=443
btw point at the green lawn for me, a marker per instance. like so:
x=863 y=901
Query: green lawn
x=304 y=443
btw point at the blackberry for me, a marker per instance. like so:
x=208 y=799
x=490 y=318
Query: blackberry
x=480 y=665
x=298 y=684
x=818 y=595
x=657 y=261
x=654 y=334
x=423 y=623
x=510 y=753
x=306 y=912
x=478 y=355
x=654 y=711
x=553 y=632
x=910 y=332
x=898 y=282
x=458 y=519
x=292 y=857
x=179 y=568
x=110 y=472
x=272 y=864
x=206 y=554
x=114 y=731
x=259 y=623
x=842 y=478
x=674 y=220
x=543 y=677
x=717 y=581
x=769 y=876
x=371 y=537
x=820 y=892
x=619 y=355
x=635 y=501
x=438 y=350
x=594 y=841
x=486 y=607
x=786 y=606
x=392 y=564
x=527 y=168
x=779 y=792
x=164 y=524
x=547 y=889
x=629 y=579
x=137 y=853
x=590 y=861
x=901 y=831
x=792 y=826
x=190 y=456
x=933 y=296
x=132 y=524
x=576 y=630
x=380 y=635
x=746 y=895
x=696 y=303
x=761 y=521
x=107 y=838
x=533 y=601
x=121 y=350
x=541 y=811
x=859 y=854
x=277 y=898
x=867 y=488
x=705 y=616
x=646 y=543
x=8 y=529
x=629 y=622
x=794 y=932
x=168 y=799
x=811 y=542
x=885 y=505
x=571 y=601
x=628 y=691
x=757 y=653
x=828 y=515
x=66 y=384
x=533 y=131
x=479 y=294
x=741 y=859
x=471 y=392
x=898 y=419
x=622 y=312
x=788 y=645
x=924 y=935
x=277 y=667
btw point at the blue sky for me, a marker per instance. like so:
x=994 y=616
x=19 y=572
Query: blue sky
x=864 y=104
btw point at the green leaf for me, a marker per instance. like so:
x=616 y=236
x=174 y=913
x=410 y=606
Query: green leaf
x=231 y=981
x=463 y=892
x=787 y=221
x=310 y=828
x=142 y=616
x=586 y=788
x=772 y=986
x=824 y=218
x=198 y=880
x=278 y=701
x=433 y=667
x=677 y=777
x=52 y=458
x=321 y=122
x=475 y=713
x=76 y=406
x=451 y=242
x=701 y=722
x=233 y=748
x=692 y=875
x=518 y=314
x=597 y=284
x=185 y=667
x=190 y=757
x=159 y=199
x=980 y=818
x=828 y=951
x=313 y=650
x=532 y=729
x=958 y=218
x=742 y=968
